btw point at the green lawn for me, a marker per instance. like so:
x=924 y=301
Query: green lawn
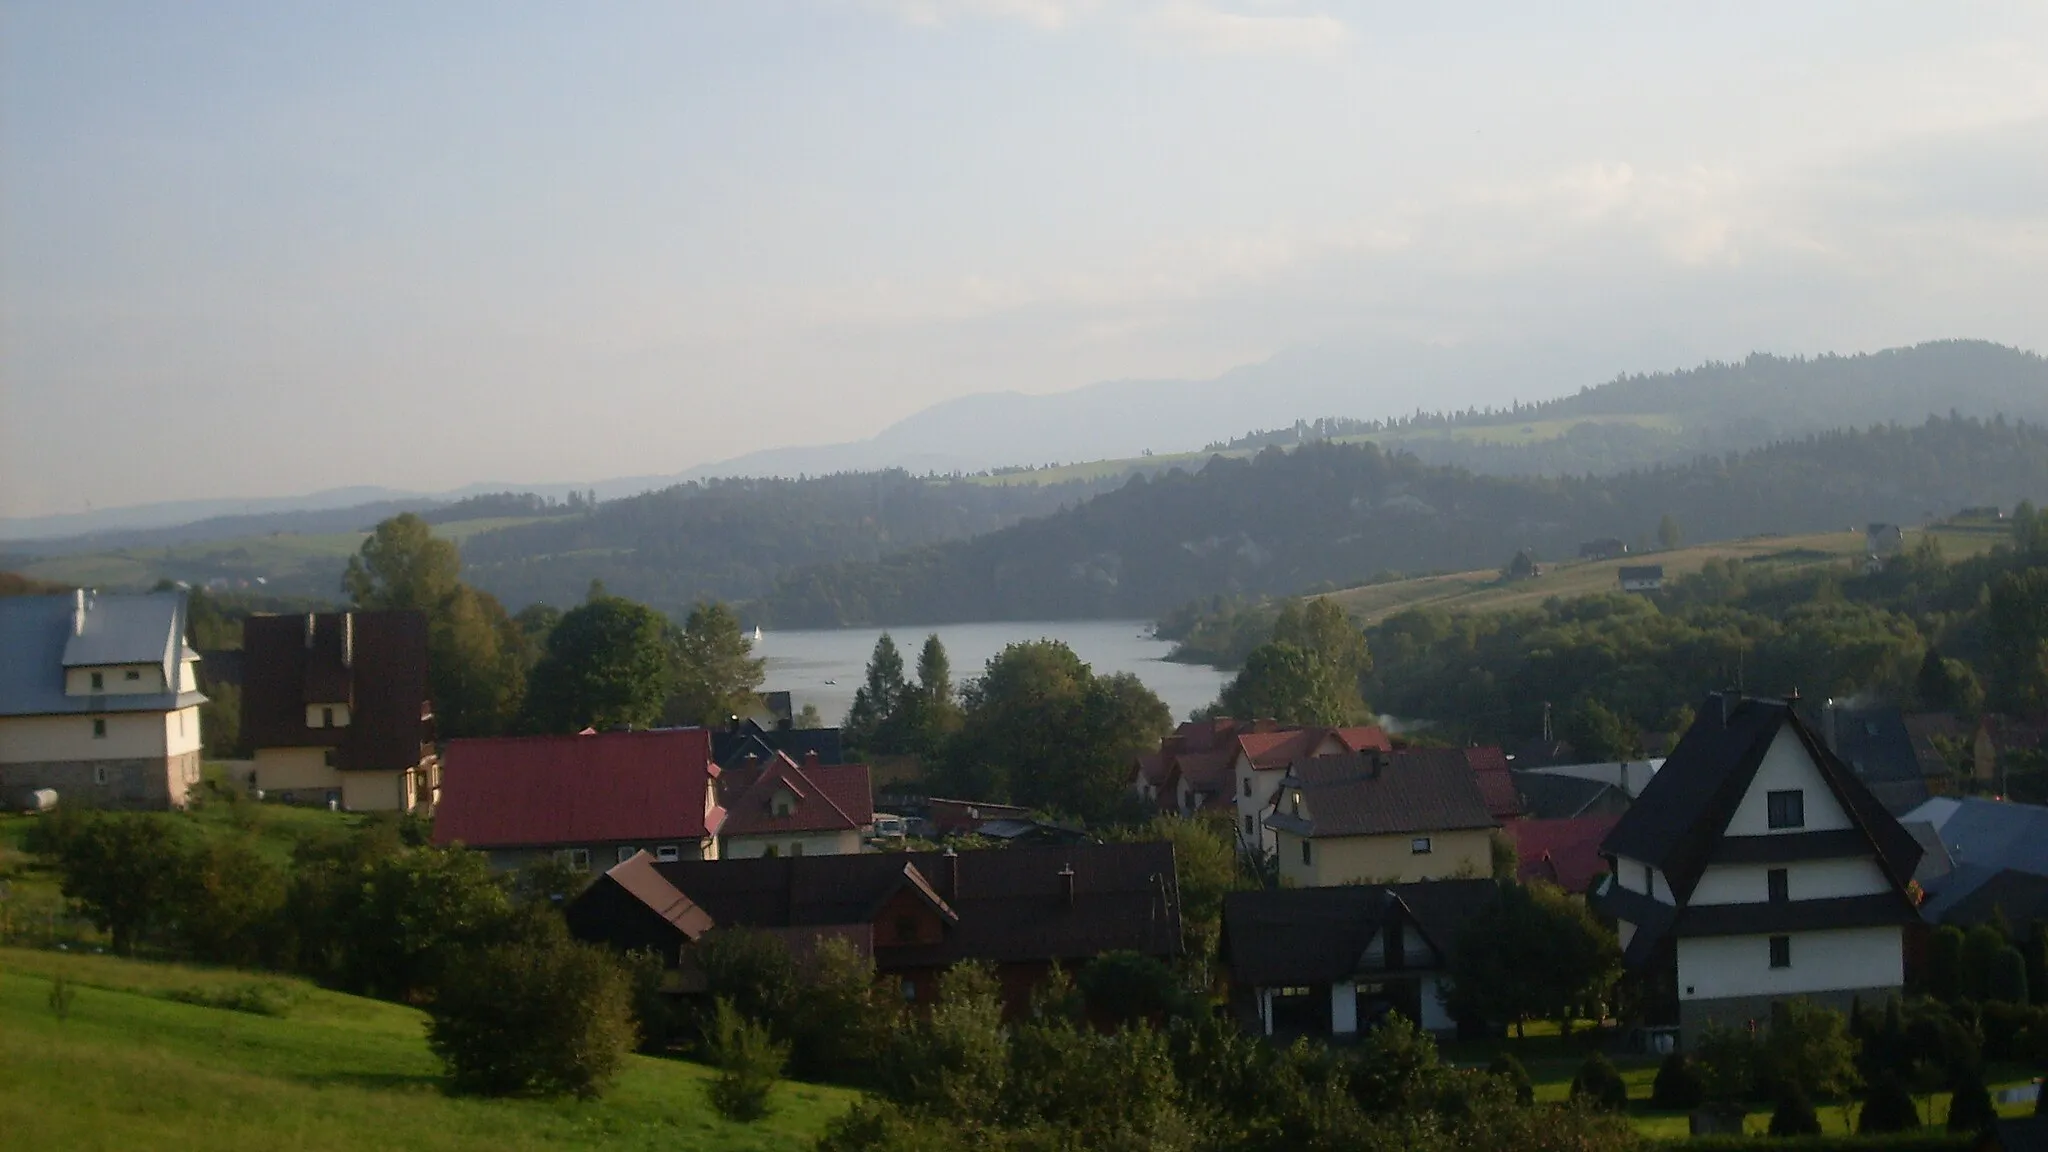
x=131 y=1068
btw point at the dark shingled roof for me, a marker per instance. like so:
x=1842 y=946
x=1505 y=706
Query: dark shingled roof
x=1676 y=824
x=374 y=662
x=1291 y=936
x=731 y=747
x=1377 y=793
x=1010 y=904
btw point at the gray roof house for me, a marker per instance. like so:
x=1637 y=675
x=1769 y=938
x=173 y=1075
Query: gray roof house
x=99 y=699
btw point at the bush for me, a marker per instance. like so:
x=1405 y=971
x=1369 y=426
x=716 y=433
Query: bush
x=1679 y=1086
x=1510 y=1069
x=1727 y=1060
x=748 y=1061
x=1969 y=1106
x=257 y=997
x=1945 y=963
x=1888 y=1107
x=544 y=1017
x=1125 y=987
x=1808 y=1049
x=1794 y=1115
x=1600 y=1085
x=2007 y=983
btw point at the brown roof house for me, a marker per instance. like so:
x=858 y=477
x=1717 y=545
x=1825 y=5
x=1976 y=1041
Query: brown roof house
x=591 y=800
x=914 y=913
x=99 y=701
x=1334 y=962
x=1235 y=767
x=336 y=711
x=1757 y=867
x=783 y=808
x=1382 y=817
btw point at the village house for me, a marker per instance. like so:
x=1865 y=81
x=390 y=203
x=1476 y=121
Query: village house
x=1381 y=817
x=1756 y=867
x=1641 y=577
x=590 y=800
x=779 y=807
x=99 y=700
x=335 y=710
x=1878 y=747
x=914 y=914
x=743 y=738
x=1333 y=962
x=1605 y=548
x=1234 y=767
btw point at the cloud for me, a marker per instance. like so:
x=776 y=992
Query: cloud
x=1210 y=31
x=1046 y=14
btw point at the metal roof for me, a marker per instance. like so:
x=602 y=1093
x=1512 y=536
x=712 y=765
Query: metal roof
x=41 y=636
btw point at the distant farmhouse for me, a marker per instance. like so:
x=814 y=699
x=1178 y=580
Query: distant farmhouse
x=1883 y=540
x=99 y=700
x=1607 y=548
x=335 y=710
x=1641 y=577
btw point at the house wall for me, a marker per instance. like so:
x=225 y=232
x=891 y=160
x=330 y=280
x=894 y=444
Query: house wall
x=1787 y=766
x=1335 y=860
x=130 y=736
x=1723 y=967
x=114 y=680
x=159 y=781
x=842 y=843
x=604 y=855
x=303 y=772
x=1636 y=876
x=387 y=791
x=1804 y=880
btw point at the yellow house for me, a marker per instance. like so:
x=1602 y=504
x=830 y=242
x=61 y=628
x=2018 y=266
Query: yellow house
x=1381 y=817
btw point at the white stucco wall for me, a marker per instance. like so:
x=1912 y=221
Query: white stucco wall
x=181 y=730
x=1804 y=880
x=1343 y=1008
x=1629 y=873
x=1712 y=967
x=294 y=770
x=130 y=735
x=1786 y=767
x=114 y=680
x=815 y=844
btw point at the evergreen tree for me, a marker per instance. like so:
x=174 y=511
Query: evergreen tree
x=874 y=724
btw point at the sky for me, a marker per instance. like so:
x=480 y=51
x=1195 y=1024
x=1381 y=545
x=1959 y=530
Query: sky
x=257 y=249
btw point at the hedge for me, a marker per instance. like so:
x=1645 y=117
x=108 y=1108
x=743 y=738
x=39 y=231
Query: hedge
x=1933 y=1140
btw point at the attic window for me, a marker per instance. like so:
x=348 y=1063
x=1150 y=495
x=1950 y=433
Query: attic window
x=1787 y=809
x=782 y=804
x=1781 y=951
x=132 y=674
x=327 y=717
x=99 y=730
x=906 y=929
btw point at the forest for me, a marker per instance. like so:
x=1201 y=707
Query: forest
x=1328 y=515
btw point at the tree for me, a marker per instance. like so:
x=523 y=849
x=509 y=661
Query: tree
x=1887 y=1107
x=230 y=902
x=1127 y=987
x=749 y=1061
x=1668 y=534
x=1727 y=1060
x=1206 y=868
x=607 y=665
x=403 y=565
x=127 y=871
x=2007 y=981
x=377 y=918
x=1794 y=1115
x=1039 y=728
x=1521 y=567
x=542 y=1017
x=1598 y=733
x=1319 y=627
x=1969 y=1104
x=1945 y=963
x=1981 y=946
x=934 y=713
x=1282 y=682
x=1807 y=1049
x=1599 y=1084
x=1945 y=685
x=754 y=971
x=808 y=717
x=714 y=669
x=1533 y=952
x=874 y=723
x=1679 y=1086
x=839 y=1020
x=954 y=1063
x=1505 y=1066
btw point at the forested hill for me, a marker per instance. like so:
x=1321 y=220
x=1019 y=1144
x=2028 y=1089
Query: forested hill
x=1339 y=514
x=732 y=539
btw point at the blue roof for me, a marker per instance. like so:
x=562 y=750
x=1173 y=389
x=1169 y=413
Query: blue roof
x=41 y=636
x=1984 y=838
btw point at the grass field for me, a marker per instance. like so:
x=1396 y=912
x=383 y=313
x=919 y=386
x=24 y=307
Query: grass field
x=1486 y=591
x=133 y=1068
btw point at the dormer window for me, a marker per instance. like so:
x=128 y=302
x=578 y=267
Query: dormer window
x=1786 y=809
x=782 y=804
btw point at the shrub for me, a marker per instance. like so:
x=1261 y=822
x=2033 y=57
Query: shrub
x=1981 y=946
x=1599 y=1084
x=1945 y=963
x=748 y=1061
x=1510 y=1069
x=1679 y=1086
x=1969 y=1106
x=256 y=997
x=1887 y=1107
x=2007 y=983
x=543 y=1017
x=1125 y=987
x=1727 y=1060
x=1794 y=1115
x=1808 y=1048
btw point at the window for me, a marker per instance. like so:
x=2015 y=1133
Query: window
x=99 y=728
x=1781 y=890
x=132 y=674
x=327 y=717
x=782 y=804
x=626 y=852
x=1304 y=851
x=1295 y=800
x=1787 y=809
x=98 y=682
x=770 y=850
x=668 y=852
x=1781 y=951
x=99 y=773
x=576 y=858
x=1247 y=785
x=1419 y=846
x=1248 y=826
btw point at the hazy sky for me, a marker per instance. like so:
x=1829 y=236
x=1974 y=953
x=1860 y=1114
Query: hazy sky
x=265 y=248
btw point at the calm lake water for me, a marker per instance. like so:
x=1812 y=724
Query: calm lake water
x=825 y=667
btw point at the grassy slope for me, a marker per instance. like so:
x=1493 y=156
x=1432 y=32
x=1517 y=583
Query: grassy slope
x=1485 y=591
x=130 y=1069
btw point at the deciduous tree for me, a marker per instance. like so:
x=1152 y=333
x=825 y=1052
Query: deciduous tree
x=607 y=665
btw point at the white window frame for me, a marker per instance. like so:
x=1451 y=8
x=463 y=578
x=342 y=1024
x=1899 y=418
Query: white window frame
x=132 y=674
x=577 y=859
x=1419 y=846
x=668 y=853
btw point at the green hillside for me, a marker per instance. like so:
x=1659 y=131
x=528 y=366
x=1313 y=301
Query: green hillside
x=134 y=1066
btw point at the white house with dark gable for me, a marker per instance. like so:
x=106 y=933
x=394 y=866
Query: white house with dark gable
x=1755 y=868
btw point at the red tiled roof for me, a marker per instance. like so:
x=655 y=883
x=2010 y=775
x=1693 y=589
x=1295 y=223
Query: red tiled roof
x=1360 y=739
x=1496 y=783
x=1155 y=768
x=829 y=798
x=1279 y=749
x=540 y=790
x=1564 y=852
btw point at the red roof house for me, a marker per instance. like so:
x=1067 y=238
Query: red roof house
x=782 y=808
x=1496 y=782
x=1564 y=852
x=593 y=797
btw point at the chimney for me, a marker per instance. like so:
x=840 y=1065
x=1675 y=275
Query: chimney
x=348 y=639
x=79 y=606
x=1067 y=883
x=952 y=874
x=811 y=758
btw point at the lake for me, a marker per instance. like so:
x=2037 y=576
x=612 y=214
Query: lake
x=824 y=667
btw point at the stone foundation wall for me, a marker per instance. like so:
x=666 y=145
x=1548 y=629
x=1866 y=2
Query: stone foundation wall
x=146 y=782
x=1738 y=1011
